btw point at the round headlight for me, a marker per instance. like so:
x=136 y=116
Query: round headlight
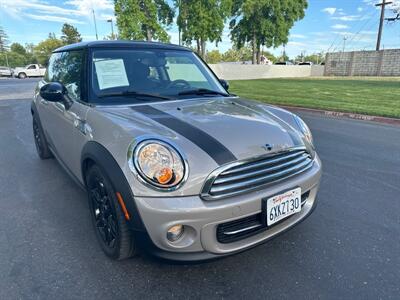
x=304 y=130
x=159 y=164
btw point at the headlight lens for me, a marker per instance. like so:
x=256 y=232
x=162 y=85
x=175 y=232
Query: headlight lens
x=159 y=164
x=304 y=130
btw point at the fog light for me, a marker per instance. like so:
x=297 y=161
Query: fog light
x=175 y=232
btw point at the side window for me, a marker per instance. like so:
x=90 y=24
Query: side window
x=53 y=70
x=66 y=67
x=32 y=67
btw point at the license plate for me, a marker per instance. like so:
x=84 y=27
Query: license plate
x=283 y=205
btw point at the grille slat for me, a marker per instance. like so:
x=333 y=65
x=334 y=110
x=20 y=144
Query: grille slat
x=264 y=162
x=222 y=178
x=259 y=180
x=252 y=175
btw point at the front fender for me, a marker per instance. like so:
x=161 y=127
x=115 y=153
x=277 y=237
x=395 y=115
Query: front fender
x=94 y=152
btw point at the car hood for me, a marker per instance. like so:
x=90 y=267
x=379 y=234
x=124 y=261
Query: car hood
x=227 y=128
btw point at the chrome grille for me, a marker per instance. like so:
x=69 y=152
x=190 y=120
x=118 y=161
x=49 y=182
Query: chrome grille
x=245 y=176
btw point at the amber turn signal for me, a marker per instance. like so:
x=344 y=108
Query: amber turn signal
x=165 y=175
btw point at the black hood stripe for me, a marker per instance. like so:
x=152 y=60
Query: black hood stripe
x=207 y=143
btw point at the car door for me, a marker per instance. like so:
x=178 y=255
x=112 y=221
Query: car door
x=31 y=70
x=64 y=124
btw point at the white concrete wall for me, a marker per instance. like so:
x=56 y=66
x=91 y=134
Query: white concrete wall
x=238 y=71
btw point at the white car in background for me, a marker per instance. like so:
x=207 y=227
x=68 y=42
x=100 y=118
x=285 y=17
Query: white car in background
x=33 y=70
x=6 y=71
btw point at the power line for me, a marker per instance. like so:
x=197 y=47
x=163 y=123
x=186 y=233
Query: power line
x=334 y=41
x=368 y=17
x=358 y=37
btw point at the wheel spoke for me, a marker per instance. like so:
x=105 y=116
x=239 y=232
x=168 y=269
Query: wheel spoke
x=99 y=223
x=112 y=225
x=105 y=220
x=102 y=190
x=102 y=231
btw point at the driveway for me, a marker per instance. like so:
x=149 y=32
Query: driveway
x=347 y=249
x=17 y=89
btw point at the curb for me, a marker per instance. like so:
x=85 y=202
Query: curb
x=337 y=114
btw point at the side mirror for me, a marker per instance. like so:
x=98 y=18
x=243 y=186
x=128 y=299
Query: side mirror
x=224 y=84
x=56 y=92
x=53 y=92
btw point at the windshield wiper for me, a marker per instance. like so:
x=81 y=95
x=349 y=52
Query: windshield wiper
x=133 y=93
x=202 y=92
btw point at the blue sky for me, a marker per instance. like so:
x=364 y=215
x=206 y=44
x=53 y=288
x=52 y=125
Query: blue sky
x=325 y=25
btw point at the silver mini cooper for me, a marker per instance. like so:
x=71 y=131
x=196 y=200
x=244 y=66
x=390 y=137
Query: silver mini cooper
x=172 y=163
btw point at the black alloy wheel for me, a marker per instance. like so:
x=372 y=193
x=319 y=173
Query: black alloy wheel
x=111 y=227
x=42 y=147
x=105 y=219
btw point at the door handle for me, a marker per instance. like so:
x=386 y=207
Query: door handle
x=59 y=106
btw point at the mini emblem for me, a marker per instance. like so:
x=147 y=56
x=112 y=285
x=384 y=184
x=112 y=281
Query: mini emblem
x=268 y=147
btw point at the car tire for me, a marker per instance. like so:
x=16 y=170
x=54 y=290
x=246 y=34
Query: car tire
x=111 y=227
x=22 y=76
x=41 y=144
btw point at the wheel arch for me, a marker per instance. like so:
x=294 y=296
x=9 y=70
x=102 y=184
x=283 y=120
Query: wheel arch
x=33 y=109
x=95 y=153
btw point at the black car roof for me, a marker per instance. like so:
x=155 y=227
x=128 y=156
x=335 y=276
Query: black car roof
x=120 y=44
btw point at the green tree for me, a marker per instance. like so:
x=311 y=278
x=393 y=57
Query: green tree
x=17 y=55
x=3 y=47
x=315 y=58
x=283 y=57
x=18 y=48
x=234 y=54
x=17 y=60
x=143 y=19
x=202 y=21
x=29 y=47
x=269 y=55
x=231 y=55
x=264 y=22
x=30 y=56
x=213 y=57
x=44 y=49
x=70 y=34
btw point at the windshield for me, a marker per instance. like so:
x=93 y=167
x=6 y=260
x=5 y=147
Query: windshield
x=137 y=75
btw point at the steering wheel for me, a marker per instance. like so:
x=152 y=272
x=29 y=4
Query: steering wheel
x=179 y=83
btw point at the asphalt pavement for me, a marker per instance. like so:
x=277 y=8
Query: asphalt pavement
x=349 y=248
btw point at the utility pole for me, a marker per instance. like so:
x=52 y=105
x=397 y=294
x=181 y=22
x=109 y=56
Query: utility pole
x=344 y=43
x=382 y=5
x=95 y=25
x=284 y=51
x=112 y=28
x=6 y=60
x=179 y=27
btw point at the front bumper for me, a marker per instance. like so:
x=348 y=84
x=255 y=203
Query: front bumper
x=201 y=219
